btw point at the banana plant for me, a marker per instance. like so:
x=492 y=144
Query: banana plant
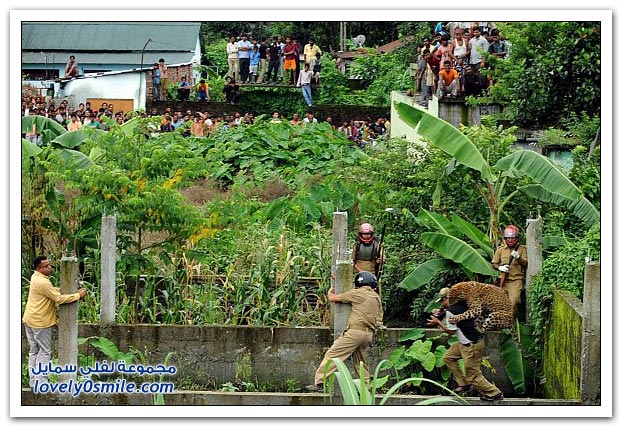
x=546 y=184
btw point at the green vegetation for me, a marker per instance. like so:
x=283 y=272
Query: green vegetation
x=360 y=392
x=221 y=230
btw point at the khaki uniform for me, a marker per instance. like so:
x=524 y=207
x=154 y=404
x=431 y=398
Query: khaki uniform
x=470 y=348
x=472 y=355
x=365 y=316
x=513 y=283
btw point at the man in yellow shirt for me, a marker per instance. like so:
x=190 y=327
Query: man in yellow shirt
x=310 y=50
x=40 y=315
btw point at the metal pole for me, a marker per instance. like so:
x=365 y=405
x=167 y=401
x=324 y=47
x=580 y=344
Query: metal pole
x=140 y=87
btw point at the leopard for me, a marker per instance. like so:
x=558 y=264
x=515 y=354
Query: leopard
x=488 y=305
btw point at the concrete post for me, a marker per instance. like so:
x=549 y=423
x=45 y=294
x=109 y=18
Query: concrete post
x=342 y=270
x=108 y=266
x=534 y=256
x=68 y=319
x=590 y=342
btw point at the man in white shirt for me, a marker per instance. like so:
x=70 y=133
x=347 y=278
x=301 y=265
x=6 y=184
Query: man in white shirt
x=232 y=59
x=309 y=117
x=304 y=81
x=479 y=46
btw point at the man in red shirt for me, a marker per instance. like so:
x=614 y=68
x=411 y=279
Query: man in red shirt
x=291 y=57
x=448 y=82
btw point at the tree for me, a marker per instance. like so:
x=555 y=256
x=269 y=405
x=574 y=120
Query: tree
x=553 y=70
x=537 y=178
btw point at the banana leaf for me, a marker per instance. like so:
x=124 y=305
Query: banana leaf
x=437 y=222
x=459 y=252
x=29 y=149
x=75 y=138
x=474 y=234
x=97 y=153
x=129 y=126
x=46 y=127
x=445 y=136
x=438 y=192
x=423 y=273
x=542 y=170
x=74 y=159
x=581 y=207
x=518 y=370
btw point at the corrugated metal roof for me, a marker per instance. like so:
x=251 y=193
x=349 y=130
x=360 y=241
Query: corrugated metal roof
x=131 y=59
x=110 y=36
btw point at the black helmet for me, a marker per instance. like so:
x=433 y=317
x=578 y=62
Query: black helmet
x=365 y=278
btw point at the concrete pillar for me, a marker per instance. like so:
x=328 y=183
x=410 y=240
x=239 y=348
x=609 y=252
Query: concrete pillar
x=534 y=255
x=68 y=319
x=108 y=266
x=590 y=343
x=342 y=270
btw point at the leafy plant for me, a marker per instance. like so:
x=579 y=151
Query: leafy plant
x=158 y=398
x=228 y=387
x=418 y=359
x=357 y=392
x=519 y=366
x=107 y=348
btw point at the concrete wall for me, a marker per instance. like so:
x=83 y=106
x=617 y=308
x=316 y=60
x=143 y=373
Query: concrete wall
x=562 y=348
x=454 y=111
x=110 y=86
x=209 y=355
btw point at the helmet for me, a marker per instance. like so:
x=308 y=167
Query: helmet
x=511 y=231
x=366 y=229
x=511 y=235
x=365 y=278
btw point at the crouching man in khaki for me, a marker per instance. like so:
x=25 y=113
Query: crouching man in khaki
x=469 y=348
x=365 y=317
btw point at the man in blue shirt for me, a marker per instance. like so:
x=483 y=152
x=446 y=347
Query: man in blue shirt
x=183 y=89
x=244 y=54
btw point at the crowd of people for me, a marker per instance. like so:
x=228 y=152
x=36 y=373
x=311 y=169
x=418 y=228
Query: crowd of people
x=200 y=123
x=453 y=61
x=277 y=61
x=253 y=62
